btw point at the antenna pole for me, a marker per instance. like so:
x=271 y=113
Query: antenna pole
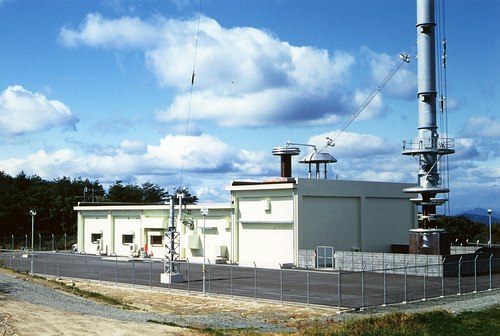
x=428 y=147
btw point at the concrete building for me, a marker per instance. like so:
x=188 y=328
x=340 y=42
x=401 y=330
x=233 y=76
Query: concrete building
x=267 y=223
x=135 y=229
x=275 y=220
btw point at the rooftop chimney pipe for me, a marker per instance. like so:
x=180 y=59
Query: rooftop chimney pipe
x=286 y=154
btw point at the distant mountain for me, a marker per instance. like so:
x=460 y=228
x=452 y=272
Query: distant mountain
x=480 y=215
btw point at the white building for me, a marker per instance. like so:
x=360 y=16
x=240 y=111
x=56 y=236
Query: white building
x=126 y=229
x=267 y=223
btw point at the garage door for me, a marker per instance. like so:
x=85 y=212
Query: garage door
x=267 y=245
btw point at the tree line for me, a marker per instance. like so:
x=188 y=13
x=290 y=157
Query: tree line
x=463 y=230
x=54 y=200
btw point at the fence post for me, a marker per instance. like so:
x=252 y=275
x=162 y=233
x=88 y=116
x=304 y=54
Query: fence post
x=71 y=267
x=231 y=269
x=491 y=256
x=363 y=288
x=189 y=276
x=385 y=285
x=150 y=273
x=426 y=267
x=209 y=277
x=255 y=281
x=281 y=284
x=57 y=254
x=45 y=263
x=459 y=276
x=406 y=283
x=442 y=277
x=116 y=270
x=339 y=284
x=100 y=270
x=133 y=272
x=85 y=267
x=475 y=273
x=308 y=286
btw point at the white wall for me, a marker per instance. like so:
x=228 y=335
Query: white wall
x=95 y=225
x=264 y=220
x=144 y=221
x=354 y=215
x=126 y=226
x=213 y=241
x=266 y=245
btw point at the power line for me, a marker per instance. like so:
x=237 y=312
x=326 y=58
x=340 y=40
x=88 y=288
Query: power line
x=404 y=58
x=193 y=75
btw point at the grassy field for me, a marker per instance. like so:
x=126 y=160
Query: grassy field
x=439 y=322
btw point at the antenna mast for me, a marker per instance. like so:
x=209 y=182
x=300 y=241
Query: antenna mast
x=428 y=148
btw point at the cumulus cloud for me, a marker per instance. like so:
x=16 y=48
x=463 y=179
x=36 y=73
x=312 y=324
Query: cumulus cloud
x=23 y=111
x=132 y=147
x=403 y=83
x=253 y=77
x=365 y=157
x=133 y=159
x=124 y=32
x=355 y=145
x=482 y=126
x=242 y=72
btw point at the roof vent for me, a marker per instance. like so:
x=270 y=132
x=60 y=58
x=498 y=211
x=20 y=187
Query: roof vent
x=286 y=154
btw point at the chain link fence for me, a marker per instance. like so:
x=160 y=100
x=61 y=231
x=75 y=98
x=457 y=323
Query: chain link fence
x=41 y=242
x=337 y=288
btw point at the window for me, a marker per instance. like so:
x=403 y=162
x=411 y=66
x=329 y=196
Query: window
x=155 y=240
x=127 y=239
x=95 y=236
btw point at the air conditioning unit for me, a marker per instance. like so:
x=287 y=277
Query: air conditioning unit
x=132 y=248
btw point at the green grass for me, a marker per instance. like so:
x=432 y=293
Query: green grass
x=435 y=323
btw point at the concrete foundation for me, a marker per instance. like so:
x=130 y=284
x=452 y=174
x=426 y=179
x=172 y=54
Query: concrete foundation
x=168 y=278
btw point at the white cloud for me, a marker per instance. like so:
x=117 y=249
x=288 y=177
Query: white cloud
x=200 y=153
x=482 y=126
x=124 y=32
x=403 y=83
x=22 y=111
x=132 y=147
x=132 y=160
x=365 y=157
x=243 y=72
x=356 y=145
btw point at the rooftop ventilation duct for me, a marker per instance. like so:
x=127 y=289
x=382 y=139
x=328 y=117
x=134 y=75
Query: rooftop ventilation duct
x=286 y=154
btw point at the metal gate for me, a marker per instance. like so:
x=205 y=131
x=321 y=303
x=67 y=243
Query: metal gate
x=324 y=257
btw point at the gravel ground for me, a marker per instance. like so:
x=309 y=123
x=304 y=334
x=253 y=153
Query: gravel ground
x=22 y=288
x=28 y=291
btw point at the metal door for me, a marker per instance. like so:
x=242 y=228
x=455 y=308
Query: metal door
x=324 y=257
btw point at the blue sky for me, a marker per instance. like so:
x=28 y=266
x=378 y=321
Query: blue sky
x=102 y=90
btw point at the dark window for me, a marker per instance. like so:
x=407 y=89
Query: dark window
x=95 y=236
x=155 y=240
x=127 y=239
